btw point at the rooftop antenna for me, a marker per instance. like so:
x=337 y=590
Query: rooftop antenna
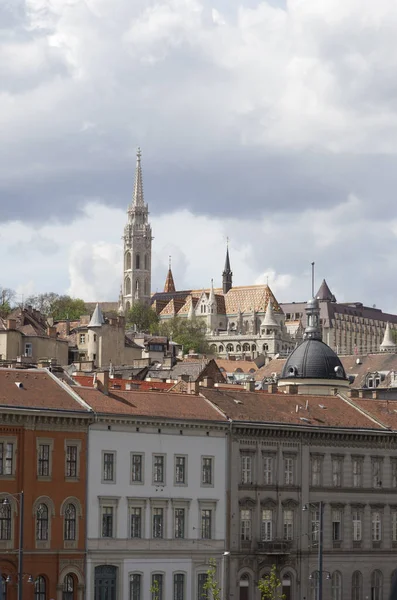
x=312 y=279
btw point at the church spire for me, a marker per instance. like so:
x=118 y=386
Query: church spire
x=169 y=285
x=137 y=198
x=227 y=274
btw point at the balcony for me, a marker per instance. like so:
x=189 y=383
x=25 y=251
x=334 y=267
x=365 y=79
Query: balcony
x=278 y=547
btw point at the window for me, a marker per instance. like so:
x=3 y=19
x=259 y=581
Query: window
x=136 y=522
x=68 y=588
x=3 y=587
x=289 y=470
x=70 y=523
x=337 y=463
x=376 y=526
x=44 y=460
x=6 y=458
x=180 y=470
x=376 y=585
x=357 y=525
x=137 y=468
x=245 y=524
x=179 y=522
x=336 y=586
x=268 y=470
x=267 y=525
x=202 y=592
x=336 y=525
x=357 y=586
x=158 y=522
x=314 y=580
x=206 y=470
x=107 y=521
x=394 y=526
x=108 y=466
x=376 y=472
x=158 y=469
x=315 y=525
x=28 y=349
x=42 y=522
x=246 y=468
x=5 y=521
x=105 y=582
x=157 y=586
x=137 y=261
x=316 y=463
x=40 y=592
x=393 y=473
x=206 y=523
x=288 y=518
x=357 y=472
x=71 y=461
x=135 y=586
x=82 y=338
x=179 y=586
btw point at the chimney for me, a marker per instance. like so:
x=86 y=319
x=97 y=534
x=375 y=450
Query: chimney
x=102 y=381
x=11 y=324
x=272 y=388
x=352 y=393
x=249 y=386
x=52 y=332
x=193 y=387
x=361 y=393
x=291 y=388
x=375 y=394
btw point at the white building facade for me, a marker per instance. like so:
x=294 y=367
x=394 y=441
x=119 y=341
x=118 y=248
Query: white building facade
x=156 y=507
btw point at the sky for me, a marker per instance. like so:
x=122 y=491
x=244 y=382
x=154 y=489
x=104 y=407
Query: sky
x=272 y=123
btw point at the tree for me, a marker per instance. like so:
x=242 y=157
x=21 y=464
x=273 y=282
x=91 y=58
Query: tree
x=143 y=317
x=270 y=587
x=211 y=587
x=190 y=333
x=57 y=307
x=6 y=298
x=155 y=588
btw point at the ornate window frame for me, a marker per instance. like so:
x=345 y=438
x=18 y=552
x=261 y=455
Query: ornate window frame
x=43 y=544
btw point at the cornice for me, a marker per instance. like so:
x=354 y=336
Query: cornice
x=18 y=421
x=325 y=437
x=161 y=422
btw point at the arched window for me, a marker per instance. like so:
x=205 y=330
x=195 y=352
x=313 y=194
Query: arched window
x=128 y=261
x=313 y=585
x=68 y=588
x=157 y=586
x=105 y=582
x=42 y=522
x=127 y=306
x=146 y=287
x=221 y=348
x=376 y=585
x=127 y=286
x=287 y=586
x=357 y=586
x=244 y=587
x=246 y=347
x=146 y=262
x=135 y=586
x=229 y=348
x=238 y=348
x=3 y=584
x=213 y=348
x=137 y=261
x=70 y=522
x=336 y=586
x=5 y=521
x=253 y=347
x=40 y=588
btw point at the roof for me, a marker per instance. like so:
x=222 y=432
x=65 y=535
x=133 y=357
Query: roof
x=118 y=383
x=280 y=408
x=97 y=319
x=388 y=343
x=151 y=404
x=39 y=390
x=324 y=293
x=231 y=366
x=106 y=307
x=383 y=410
x=169 y=285
x=313 y=359
x=29 y=321
x=274 y=366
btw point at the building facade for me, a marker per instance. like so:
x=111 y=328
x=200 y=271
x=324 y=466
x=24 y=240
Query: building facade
x=156 y=495
x=43 y=449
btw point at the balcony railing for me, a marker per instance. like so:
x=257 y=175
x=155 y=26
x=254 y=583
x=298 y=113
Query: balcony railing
x=274 y=547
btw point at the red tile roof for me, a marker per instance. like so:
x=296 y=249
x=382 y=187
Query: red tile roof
x=150 y=404
x=39 y=390
x=323 y=411
x=231 y=366
x=384 y=411
x=117 y=383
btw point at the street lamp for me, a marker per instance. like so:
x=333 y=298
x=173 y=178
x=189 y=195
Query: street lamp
x=320 y=506
x=19 y=497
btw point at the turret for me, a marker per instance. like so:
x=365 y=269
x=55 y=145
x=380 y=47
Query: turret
x=227 y=275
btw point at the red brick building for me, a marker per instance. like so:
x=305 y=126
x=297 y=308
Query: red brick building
x=43 y=441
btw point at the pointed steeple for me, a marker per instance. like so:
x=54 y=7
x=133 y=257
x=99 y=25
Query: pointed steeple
x=97 y=319
x=270 y=320
x=169 y=285
x=227 y=275
x=324 y=293
x=388 y=344
x=120 y=309
x=137 y=198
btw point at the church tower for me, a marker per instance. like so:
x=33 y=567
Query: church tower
x=137 y=246
x=227 y=274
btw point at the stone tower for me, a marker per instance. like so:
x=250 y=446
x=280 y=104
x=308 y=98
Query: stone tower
x=137 y=246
